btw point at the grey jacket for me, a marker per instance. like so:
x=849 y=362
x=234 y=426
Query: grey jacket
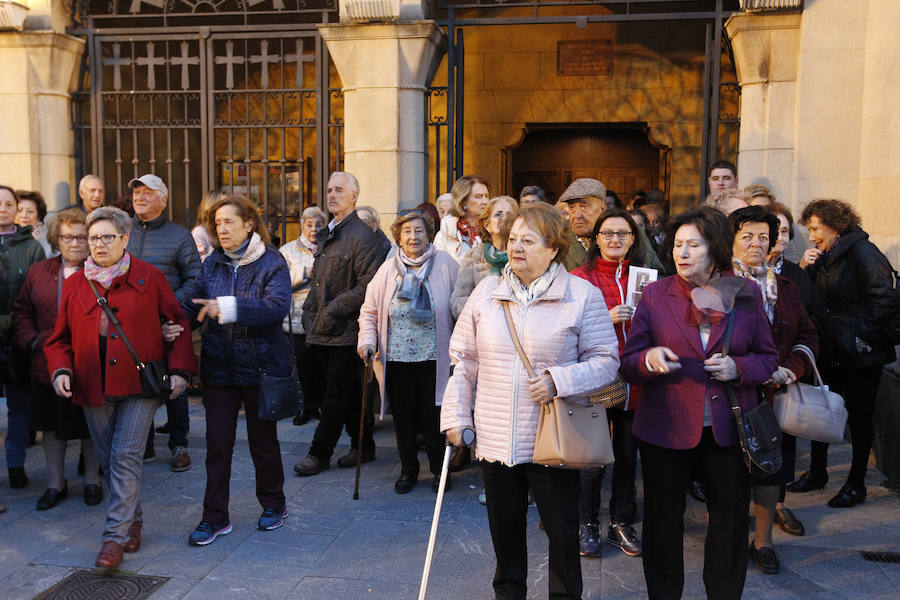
x=170 y=248
x=346 y=261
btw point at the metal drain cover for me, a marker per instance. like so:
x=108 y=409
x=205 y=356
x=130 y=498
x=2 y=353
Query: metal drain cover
x=885 y=557
x=102 y=585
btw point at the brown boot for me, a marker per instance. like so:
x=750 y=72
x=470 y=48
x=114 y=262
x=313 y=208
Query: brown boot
x=134 y=537
x=110 y=555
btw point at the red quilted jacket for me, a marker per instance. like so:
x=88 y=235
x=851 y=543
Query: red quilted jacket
x=612 y=279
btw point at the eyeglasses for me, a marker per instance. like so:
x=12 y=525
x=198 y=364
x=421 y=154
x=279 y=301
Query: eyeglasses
x=68 y=239
x=106 y=240
x=622 y=235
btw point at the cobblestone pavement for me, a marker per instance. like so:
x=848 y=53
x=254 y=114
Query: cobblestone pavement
x=334 y=547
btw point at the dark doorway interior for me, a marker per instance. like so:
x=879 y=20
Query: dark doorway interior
x=622 y=156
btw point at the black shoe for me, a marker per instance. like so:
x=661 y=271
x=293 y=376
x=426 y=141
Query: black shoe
x=149 y=455
x=52 y=496
x=697 y=490
x=93 y=494
x=17 y=478
x=405 y=484
x=807 y=483
x=765 y=559
x=436 y=483
x=588 y=539
x=848 y=496
x=163 y=428
x=624 y=536
x=301 y=418
x=785 y=519
x=349 y=460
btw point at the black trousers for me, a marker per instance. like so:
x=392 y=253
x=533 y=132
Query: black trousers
x=222 y=406
x=859 y=387
x=556 y=495
x=342 y=371
x=622 y=502
x=410 y=390
x=313 y=390
x=666 y=474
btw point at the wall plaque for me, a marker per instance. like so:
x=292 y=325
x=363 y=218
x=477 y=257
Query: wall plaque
x=584 y=57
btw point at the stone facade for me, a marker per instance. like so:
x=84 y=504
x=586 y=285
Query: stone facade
x=39 y=68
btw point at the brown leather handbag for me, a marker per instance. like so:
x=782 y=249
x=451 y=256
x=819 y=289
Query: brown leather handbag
x=568 y=436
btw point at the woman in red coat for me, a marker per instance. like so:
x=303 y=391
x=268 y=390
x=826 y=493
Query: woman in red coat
x=89 y=362
x=606 y=266
x=755 y=233
x=34 y=316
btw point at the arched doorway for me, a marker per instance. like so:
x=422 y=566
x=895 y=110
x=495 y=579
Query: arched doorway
x=621 y=155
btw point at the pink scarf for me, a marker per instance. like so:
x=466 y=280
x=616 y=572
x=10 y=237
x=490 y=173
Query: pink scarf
x=105 y=275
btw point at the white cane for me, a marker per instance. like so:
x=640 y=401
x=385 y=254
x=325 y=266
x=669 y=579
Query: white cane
x=468 y=436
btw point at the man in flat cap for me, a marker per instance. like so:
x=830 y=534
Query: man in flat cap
x=170 y=248
x=586 y=200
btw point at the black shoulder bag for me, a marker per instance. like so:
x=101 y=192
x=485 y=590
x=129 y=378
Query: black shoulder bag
x=757 y=428
x=154 y=374
x=279 y=397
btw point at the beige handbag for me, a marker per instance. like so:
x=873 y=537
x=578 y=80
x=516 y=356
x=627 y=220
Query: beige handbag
x=568 y=436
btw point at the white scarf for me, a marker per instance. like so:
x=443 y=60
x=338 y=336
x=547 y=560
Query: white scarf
x=526 y=294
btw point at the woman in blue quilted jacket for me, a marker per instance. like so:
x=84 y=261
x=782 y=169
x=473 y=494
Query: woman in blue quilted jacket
x=243 y=291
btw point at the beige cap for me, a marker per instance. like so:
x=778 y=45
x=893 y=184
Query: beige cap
x=582 y=188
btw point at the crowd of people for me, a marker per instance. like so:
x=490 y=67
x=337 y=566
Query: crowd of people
x=482 y=310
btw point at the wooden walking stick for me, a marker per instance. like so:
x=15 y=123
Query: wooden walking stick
x=362 y=419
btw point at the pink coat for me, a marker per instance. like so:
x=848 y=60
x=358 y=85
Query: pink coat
x=566 y=332
x=373 y=316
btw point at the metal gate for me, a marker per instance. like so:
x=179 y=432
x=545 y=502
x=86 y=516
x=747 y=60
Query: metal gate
x=253 y=108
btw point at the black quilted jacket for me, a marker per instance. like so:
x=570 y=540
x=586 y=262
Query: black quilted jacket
x=855 y=281
x=170 y=248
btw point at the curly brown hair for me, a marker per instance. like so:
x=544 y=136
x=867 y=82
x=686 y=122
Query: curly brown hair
x=836 y=214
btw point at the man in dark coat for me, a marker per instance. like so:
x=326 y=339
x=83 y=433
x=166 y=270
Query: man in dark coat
x=347 y=258
x=170 y=248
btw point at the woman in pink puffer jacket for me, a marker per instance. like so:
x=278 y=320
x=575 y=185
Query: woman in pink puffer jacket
x=567 y=335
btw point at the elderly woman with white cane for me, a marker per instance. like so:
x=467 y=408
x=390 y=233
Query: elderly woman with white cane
x=566 y=333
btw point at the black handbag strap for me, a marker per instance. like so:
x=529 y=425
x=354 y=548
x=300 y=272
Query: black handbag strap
x=101 y=300
x=726 y=346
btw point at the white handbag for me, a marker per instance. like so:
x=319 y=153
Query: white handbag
x=811 y=412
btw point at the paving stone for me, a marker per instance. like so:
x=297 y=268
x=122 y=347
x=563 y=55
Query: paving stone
x=373 y=548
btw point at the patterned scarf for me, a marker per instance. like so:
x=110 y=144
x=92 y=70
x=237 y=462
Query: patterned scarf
x=412 y=284
x=496 y=258
x=105 y=275
x=526 y=294
x=467 y=233
x=778 y=265
x=306 y=244
x=765 y=280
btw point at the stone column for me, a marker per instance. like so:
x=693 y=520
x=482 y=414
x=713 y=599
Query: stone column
x=766 y=50
x=385 y=71
x=39 y=70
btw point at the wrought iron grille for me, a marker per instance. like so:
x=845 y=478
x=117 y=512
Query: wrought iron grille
x=237 y=95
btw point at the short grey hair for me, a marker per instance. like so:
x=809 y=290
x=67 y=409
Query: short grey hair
x=354 y=183
x=87 y=178
x=313 y=212
x=373 y=214
x=119 y=218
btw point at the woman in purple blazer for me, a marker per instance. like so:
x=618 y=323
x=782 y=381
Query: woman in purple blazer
x=684 y=421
